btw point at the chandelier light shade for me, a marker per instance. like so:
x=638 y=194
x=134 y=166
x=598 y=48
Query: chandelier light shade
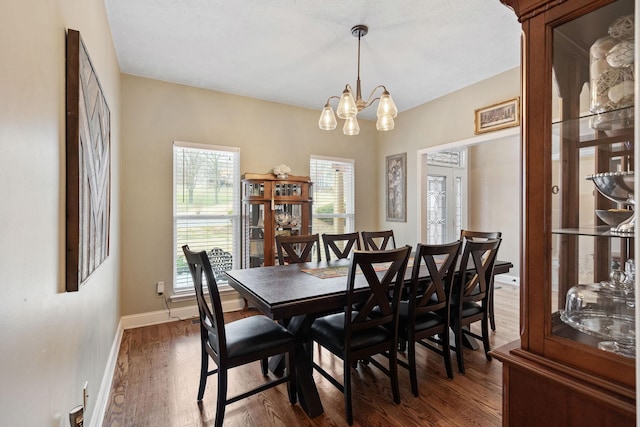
x=351 y=126
x=348 y=106
x=327 y=118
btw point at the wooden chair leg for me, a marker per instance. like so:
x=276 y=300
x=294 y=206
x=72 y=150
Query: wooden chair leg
x=347 y=393
x=485 y=338
x=412 y=368
x=459 y=348
x=492 y=316
x=204 y=369
x=393 y=372
x=446 y=351
x=291 y=372
x=222 y=396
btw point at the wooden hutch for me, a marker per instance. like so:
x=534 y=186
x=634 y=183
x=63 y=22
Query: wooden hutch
x=272 y=206
x=558 y=375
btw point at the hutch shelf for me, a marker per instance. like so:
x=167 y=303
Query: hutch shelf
x=272 y=206
x=576 y=127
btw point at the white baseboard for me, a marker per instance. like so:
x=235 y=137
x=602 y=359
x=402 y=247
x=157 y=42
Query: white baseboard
x=507 y=279
x=102 y=400
x=173 y=314
x=136 y=321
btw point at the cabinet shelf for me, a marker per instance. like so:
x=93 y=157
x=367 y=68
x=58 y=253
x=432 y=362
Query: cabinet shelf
x=599 y=231
x=611 y=127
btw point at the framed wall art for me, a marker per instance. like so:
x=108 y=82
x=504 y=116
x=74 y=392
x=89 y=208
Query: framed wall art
x=498 y=116
x=88 y=166
x=396 y=187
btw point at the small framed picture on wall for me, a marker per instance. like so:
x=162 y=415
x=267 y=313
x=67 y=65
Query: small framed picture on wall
x=396 y=187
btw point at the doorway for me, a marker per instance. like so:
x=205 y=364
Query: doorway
x=492 y=190
x=445 y=210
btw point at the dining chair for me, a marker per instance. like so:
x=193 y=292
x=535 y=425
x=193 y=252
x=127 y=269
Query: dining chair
x=354 y=334
x=426 y=314
x=340 y=245
x=466 y=235
x=378 y=240
x=296 y=249
x=470 y=295
x=236 y=343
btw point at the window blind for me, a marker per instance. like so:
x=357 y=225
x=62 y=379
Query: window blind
x=333 y=195
x=206 y=208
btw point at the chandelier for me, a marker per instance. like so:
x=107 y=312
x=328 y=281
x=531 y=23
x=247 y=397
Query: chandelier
x=348 y=107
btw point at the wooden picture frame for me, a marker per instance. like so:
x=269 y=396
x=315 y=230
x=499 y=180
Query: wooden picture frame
x=88 y=166
x=498 y=116
x=396 y=187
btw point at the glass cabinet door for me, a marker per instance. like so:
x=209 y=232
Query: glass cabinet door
x=287 y=219
x=255 y=235
x=592 y=218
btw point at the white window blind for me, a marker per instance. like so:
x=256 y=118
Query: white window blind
x=333 y=195
x=206 y=208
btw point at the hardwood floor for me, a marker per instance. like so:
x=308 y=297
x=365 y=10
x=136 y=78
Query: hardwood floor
x=156 y=380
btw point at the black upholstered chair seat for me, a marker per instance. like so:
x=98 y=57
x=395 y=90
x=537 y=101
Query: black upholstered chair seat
x=329 y=332
x=254 y=334
x=470 y=308
x=423 y=321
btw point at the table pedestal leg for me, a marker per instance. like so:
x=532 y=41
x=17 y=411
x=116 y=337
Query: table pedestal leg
x=305 y=385
x=467 y=341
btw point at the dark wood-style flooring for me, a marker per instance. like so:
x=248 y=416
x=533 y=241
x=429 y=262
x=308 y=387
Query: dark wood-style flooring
x=156 y=380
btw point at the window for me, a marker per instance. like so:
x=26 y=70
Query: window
x=333 y=195
x=206 y=208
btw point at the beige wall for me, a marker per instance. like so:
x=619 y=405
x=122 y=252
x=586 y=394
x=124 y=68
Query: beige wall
x=52 y=341
x=447 y=120
x=494 y=194
x=157 y=113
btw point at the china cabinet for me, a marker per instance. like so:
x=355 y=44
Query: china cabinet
x=272 y=206
x=575 y=361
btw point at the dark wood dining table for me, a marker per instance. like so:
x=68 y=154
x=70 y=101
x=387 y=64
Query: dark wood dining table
x=299 y=293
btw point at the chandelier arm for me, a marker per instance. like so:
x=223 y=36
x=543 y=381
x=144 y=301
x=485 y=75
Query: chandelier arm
x=371 y=100
x=332 y=97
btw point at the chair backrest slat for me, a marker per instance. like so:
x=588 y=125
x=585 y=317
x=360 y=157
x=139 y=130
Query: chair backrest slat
x=482 y=257
x=440 y=261
x=378 y=240
x=469 y=235
x=297 y=249
x=384 y=273
x=350 y=241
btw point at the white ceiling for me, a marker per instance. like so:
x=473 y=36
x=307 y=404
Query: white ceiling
x=300 y=52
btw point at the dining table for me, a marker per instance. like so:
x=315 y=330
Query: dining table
x=296 y=294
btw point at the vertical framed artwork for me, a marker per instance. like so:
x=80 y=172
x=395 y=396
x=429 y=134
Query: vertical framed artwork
x=88 y=166
x=396 y=187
